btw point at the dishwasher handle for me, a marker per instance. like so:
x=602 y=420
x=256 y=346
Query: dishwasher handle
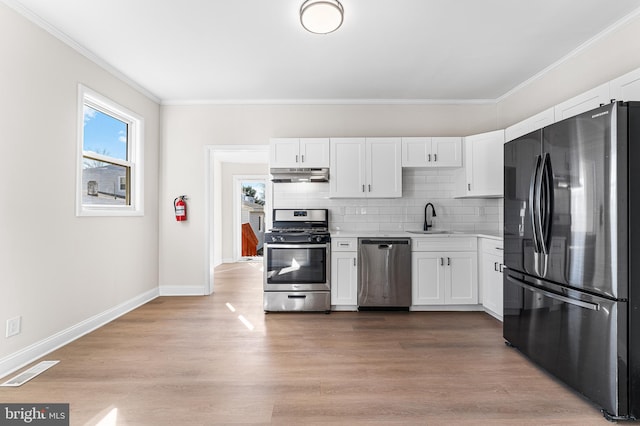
x=384 y=242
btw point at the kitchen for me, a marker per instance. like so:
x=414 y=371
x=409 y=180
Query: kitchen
x=162 y=257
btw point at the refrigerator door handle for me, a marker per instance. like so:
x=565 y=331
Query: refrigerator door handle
x=533 y=204
x=576 y=302
x=546 y=204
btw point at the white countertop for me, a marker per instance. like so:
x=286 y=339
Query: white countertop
x=405 y=234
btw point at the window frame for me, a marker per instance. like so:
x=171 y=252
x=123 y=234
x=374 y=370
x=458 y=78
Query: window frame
x=133 y=163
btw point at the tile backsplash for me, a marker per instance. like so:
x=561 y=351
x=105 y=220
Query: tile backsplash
x=419 y=186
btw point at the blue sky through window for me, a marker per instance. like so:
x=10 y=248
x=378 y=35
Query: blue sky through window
x=104 y=134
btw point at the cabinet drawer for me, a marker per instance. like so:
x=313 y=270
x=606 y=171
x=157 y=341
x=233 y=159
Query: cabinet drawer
x=493 y=247
x=445 y=244
x=344 y=244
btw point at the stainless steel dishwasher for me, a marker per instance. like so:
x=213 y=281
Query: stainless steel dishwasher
x=384 y=275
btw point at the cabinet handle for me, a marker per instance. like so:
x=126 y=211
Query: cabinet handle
x=369 y=187
x=303 y=158
x=343 y=244
x=296 y=158
x=354 y=261
x=429 y=157
x=501 y=267
x=435 y=157
x=442 y=261
x=363 y=188
x=495 y=266
x=469 y=186
x=448 y=261
x=499 y=248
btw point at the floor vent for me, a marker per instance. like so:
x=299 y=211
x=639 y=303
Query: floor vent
x=29 y=374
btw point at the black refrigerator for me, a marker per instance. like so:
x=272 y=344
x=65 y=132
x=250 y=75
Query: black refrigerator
x=572 y=256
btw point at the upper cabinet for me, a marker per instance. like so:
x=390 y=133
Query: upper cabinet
x=432 y=152
x=366 y=167
x=535 y=122
x=482 y=175
x=299 y=152
x=582 y=103
x=626 y=87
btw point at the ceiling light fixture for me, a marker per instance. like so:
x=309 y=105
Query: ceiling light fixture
x=321 y=16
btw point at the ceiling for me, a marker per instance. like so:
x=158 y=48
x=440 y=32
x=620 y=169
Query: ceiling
x=386 y=50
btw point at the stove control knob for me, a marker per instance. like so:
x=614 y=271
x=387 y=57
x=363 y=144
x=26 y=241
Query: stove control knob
x=319 y=238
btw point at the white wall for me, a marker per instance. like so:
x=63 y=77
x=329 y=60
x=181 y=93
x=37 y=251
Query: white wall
x=187 y=130
x=52 y=262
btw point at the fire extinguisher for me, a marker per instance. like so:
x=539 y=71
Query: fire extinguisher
x=180 y=207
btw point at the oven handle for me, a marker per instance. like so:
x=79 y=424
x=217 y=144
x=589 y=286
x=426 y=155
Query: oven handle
x=580 y=303
x=298 y=246
x=297 y=296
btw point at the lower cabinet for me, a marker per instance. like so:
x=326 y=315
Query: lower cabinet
x=344 y=273
x=445 y=277
x=491 y=266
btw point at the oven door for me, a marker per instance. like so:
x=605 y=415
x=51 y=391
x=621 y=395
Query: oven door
x=297 y=267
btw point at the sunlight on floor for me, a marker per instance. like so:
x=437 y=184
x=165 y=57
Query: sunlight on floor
x=242 y=319
x=111 y=419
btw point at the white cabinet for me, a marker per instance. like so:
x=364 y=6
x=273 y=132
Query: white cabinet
x=483 y=174
x=530 y=124
x=344 y=272
x=626 y=87
x=299 y=152
x=583 y=102
x=444 y=277
x=491 y=266
x=432 y=152
x=366 y=168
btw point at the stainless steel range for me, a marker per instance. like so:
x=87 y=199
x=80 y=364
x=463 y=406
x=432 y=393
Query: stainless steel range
x=297 y=261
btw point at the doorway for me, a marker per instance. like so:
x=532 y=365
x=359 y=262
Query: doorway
x=250 y=198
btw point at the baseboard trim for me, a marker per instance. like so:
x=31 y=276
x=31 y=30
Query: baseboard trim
x=179 y=290
x=23 y=357
x=444 y=308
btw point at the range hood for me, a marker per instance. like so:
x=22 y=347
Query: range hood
x=300 y=174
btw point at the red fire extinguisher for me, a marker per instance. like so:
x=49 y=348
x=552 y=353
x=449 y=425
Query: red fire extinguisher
x=180 y=207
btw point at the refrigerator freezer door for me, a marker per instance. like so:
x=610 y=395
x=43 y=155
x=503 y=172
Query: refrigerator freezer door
x=588 y=170
x=522 y=158
x=579 y=338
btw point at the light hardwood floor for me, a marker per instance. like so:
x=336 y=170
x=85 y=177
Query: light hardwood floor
x=192 y=361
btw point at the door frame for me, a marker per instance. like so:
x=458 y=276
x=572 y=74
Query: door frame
x=214 y=156
x=237 y=214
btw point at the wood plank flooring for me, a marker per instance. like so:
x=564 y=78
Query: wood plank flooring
x=194 y=361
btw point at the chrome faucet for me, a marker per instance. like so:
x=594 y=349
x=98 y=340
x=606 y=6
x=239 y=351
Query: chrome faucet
x=433 y=210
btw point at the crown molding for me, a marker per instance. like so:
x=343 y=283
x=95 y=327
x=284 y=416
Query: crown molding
x=37 y=20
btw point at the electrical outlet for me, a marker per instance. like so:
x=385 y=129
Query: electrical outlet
x=13 y=326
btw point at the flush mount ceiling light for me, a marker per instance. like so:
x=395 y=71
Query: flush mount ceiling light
x=321 y=16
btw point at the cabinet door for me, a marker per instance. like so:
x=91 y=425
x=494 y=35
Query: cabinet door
x=347 y=168
x=416 y=152
x=427 y=279
x=384 y=167
x=530 y=124
x=492 y=283
x=461 y=278
x=344 y=284
x=582 y=103
x=626 y=87
x=284 y=152
x=446 y=152
x=314 y=152
x=484 y=164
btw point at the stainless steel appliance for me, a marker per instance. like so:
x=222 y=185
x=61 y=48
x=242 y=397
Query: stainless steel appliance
x=572 y=235
x=300 y=174
x=297 y=261
x=384 y=275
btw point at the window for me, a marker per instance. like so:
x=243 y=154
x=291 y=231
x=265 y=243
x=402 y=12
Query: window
x=110 y=158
